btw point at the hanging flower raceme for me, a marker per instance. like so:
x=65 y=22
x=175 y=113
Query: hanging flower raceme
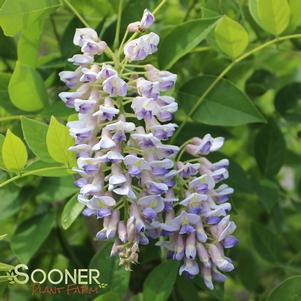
x=129 y=177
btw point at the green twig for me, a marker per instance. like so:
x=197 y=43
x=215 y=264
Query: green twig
x=8 y=118
x=116 y=40
x=189 y=10
x=32 y=172
x=159 y=7
x=225 y=71
x=74 y=10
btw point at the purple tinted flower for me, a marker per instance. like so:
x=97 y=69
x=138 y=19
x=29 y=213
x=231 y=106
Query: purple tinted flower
x=230 y=242
x=166 y=79
x=188 y=169
x=213 y=220
x=144 y=108
x=107 y=111
x=156 y=188
x=145 y=140
x=69 y=97
x=204 y=146
x=161 y=167
x=165 y=131
x=190 y=268
x=179 y=248
x=223 y=193
x=70 y=78
x=147 y=88
x=190 y=247
x=134 y=27
x=84 y=34
x=182 y=222
x=149 y=213
x=202 y=184
x=81 y=59
x=92 y=48
x=106 y=72
x=84 y=106
x=147 y=19
x=139 y=49
x=219 y=259
x=115 y=86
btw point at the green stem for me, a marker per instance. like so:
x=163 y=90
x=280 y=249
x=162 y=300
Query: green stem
x=29 y=173
x=74 y=10
x=116 y=40
x=8 y=118
x=201 y=49
x=189 y=10
x=225 y=71
x=159 y=7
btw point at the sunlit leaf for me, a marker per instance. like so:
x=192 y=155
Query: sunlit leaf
x=18 y=14
x=14 y=153
x=272 y=15
x=231 y=37
x=26 y=89
x=71 y=211
x=58 y=141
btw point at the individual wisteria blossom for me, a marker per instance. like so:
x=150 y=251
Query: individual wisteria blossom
x=129 y=177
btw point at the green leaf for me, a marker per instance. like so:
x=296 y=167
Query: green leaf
x=93 y=10
x=35 y=136
x=248 y=269
x=11 y=201
x=112 y=273
x=5 y=267
x=272 y=15
x=30 y=235
x=26 y=88
x=160 y=282
x=288 y=290
x=58 y=141
x=18 y=14
x=287 y=98
x=71 y=211
x=2 y=137
x=29 y=43
x=295 y=8
x=231 y=37
x=138 y=297
x=182 y=40
x=268 y=194
x=266 y=243
x=55 y=189
x=14 y=152
x=225 y=105
x=109 y=296
x=270 y=149
x=3 y=236
x=8 y=47
x=253 y=7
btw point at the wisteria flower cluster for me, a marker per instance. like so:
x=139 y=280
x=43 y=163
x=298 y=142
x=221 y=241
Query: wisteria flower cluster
x=130 y=178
